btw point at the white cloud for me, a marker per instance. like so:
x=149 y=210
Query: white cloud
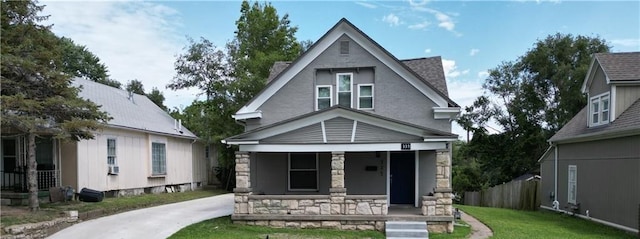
x=419 y=26
x=366 y=4
x=135 y=40
x=483 y=75
x=392 y=19
x=428 y=50
x=474 y=51
x=450 y=69
x=632 y=44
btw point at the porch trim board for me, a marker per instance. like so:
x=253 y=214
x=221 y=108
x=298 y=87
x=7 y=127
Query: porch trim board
x=365 y=147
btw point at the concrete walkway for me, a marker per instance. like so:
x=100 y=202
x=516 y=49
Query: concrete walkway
x=478 y=229
x=154 y=222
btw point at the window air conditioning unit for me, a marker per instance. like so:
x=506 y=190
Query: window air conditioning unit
x=114 y=170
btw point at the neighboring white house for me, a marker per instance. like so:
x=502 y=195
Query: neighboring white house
x=142 y=149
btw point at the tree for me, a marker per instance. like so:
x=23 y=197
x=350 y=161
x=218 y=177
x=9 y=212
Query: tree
x=78 y=61
x=531 y=99
x=135 y=86
x=157 y=97
x=261 y=39
x=37 y=98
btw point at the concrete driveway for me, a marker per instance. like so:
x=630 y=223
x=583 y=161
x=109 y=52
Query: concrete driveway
x=154 y=222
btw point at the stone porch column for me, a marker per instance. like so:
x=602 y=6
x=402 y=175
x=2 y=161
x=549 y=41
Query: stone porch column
x=243 y=183
x=443 y=186
x=337 y=191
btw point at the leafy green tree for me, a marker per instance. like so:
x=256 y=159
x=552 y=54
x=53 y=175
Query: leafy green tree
x=157 y=97
x=261 y=39
x=36 y=98
x=78 y=61
x=531 y=99
x=135 y=86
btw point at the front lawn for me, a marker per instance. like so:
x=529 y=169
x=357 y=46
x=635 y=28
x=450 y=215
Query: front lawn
x=507 y=223
x=224 y=228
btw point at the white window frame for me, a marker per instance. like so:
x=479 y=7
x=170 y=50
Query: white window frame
x=350 y=88
x=161 y=173
x=115 y=152
x=599 y=100
x=289 y=170
x=572 y=184
x=318 y=94
x=360 y=96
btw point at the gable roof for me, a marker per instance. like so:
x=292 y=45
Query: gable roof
x=344 y=27
x=138 y=114
x=336 y=111
x=620 y=67
x=429 y=68
x=576 y=129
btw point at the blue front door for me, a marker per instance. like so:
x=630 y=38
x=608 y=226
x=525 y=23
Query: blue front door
x=402 y=177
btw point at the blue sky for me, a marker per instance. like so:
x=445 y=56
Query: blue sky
x=139 y=40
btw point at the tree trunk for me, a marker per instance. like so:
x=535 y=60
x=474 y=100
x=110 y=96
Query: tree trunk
x=32 y=174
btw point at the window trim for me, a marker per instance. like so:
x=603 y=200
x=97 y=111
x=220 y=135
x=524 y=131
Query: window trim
x=318 y=95
x=350 y=88
x=289 y=170
x=165 y=159
x=372 y=97
x=599 y=99
x=115 y=156
x=573 y=183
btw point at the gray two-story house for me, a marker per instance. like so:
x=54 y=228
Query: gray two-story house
x=592 y=168
x=347 y=136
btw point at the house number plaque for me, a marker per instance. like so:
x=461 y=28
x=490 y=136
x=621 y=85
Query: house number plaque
x=405 y=146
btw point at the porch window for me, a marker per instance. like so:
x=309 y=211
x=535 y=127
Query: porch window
x=599 y=109
x=158 y=159
x=9 y=155
x=303 y=172
x=365 y=96
x=573 y=184
x=344 y=89
x=111 y=152
x=323 y=97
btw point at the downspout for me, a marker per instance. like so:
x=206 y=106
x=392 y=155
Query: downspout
x=555 y=169
x=192 y=166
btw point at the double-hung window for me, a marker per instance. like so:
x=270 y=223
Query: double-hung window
x=343 y=83
x=158 y=159
x=111 y=152
x=365 y=96
x=323 y=97
x=303 y=172
x=599 y=109
x=573 y=184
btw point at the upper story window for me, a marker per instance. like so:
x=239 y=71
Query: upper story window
x=344 y=89
x=365 y=96
x=599 y=109
x=111 y=152
x=324 y=97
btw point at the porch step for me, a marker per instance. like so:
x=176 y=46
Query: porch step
x=406 y=229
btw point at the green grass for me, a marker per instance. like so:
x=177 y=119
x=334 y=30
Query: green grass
x=49 y=211
x=507 y=223
x=224 y=228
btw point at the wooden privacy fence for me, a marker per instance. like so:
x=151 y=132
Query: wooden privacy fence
x=519 y=195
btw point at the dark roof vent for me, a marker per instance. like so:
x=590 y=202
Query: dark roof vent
x=344 y=47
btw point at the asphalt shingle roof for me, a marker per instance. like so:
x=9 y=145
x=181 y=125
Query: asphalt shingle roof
x=623 y=66
x=429 y=68
x=577 y=127
x=139 y=113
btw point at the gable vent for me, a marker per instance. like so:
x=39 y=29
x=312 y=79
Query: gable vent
x=344 y=47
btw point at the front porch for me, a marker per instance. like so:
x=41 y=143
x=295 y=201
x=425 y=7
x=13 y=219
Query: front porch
x=332 y=205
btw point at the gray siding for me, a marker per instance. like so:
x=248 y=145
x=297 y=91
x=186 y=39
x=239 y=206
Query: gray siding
x=269 y=173
x=369 y=133
x=393 y=97
x=358 y=181
x=548 y=179
x=308 y=134
x=338 y=130
x=608 y=179
x=427 y=170
x=625 y=96
x=599 y=83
